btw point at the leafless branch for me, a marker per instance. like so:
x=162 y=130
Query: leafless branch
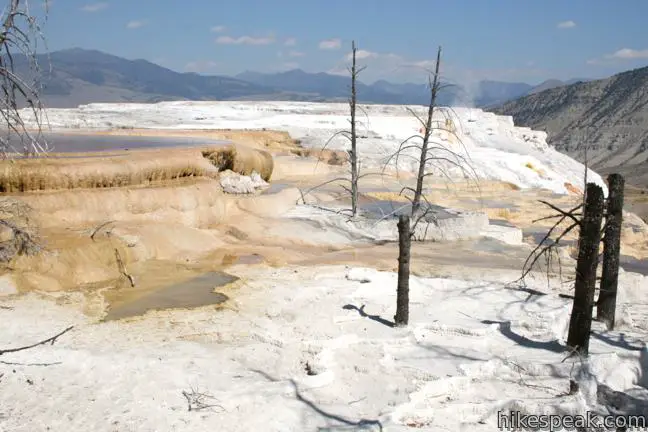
x=96 y=230
x=568 y=214
x=122 y=268
x=198 y=401
x=547 y=246
x=429 y=152
x=351 y=135
x=20 y=32
x=49 y=340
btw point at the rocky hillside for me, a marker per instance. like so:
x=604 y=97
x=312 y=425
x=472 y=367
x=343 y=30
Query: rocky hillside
x=607 y=117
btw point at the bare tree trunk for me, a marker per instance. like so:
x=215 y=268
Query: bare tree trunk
x=434 y=89
x=580 y=323
x=402 y=295
x=611 y=251
x=353 y=155
x=352 y=136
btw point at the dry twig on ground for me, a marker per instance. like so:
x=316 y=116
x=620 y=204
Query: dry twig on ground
x=50 y=340
x=122 y=268
x=197 y=401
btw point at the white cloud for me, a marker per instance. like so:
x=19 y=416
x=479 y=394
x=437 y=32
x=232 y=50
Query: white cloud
x=422 y=64
x=622 y=54
x=218 y=29
x=93 y=7
x=338 y=71
x=296 y=54
x=330 y=44
x=379 y=65
x=290 y=42
x=245 y=40
x=629 y=54
x=199 y=66
x=566 y=24
x=290 y=65
x=397 y=68
x=372 y=55
x=362 y=54
x=135 y=24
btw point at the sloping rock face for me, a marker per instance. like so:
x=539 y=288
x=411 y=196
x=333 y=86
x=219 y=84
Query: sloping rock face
x=607 y=117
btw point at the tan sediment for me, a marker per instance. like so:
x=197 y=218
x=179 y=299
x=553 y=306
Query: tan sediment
x=139 y=167
x=250 y=151
x=170 y=230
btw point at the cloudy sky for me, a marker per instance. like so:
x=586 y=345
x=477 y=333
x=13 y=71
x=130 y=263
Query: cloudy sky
x=507 y=40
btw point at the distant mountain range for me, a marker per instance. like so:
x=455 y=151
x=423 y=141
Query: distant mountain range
x=606 y=119
x=80 y=76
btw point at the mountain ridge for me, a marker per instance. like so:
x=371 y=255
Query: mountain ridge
x=81 y=76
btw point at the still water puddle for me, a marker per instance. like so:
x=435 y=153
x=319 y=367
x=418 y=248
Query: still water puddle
x=188 y=294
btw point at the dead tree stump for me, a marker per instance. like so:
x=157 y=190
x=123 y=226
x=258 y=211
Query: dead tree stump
x=401 y=318
x=606 y=308
x=580 y=323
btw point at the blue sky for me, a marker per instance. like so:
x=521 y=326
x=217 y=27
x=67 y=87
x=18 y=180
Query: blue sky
x=508 y=40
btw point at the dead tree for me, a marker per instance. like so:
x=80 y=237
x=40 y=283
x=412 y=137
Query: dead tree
x=430 y=153
x=580 y=323
x=352 y=136
x=402 y=294
x=19 y=77
x=19 y=38
x=434 y=90
x=353 y=153
x=606 y=307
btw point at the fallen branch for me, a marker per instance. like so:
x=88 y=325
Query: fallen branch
x=96 y=230
x=29 y=364
x=50 y=341
x=122 y=268
x=197 y=401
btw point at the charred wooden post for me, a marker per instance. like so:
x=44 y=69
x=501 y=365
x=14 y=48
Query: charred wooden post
x=580 y=323
x=401 y=318
x=606 y=308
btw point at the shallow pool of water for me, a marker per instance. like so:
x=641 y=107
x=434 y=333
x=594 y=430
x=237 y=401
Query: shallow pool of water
x=385 y=208
x=73 y=143
x=192 y=293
